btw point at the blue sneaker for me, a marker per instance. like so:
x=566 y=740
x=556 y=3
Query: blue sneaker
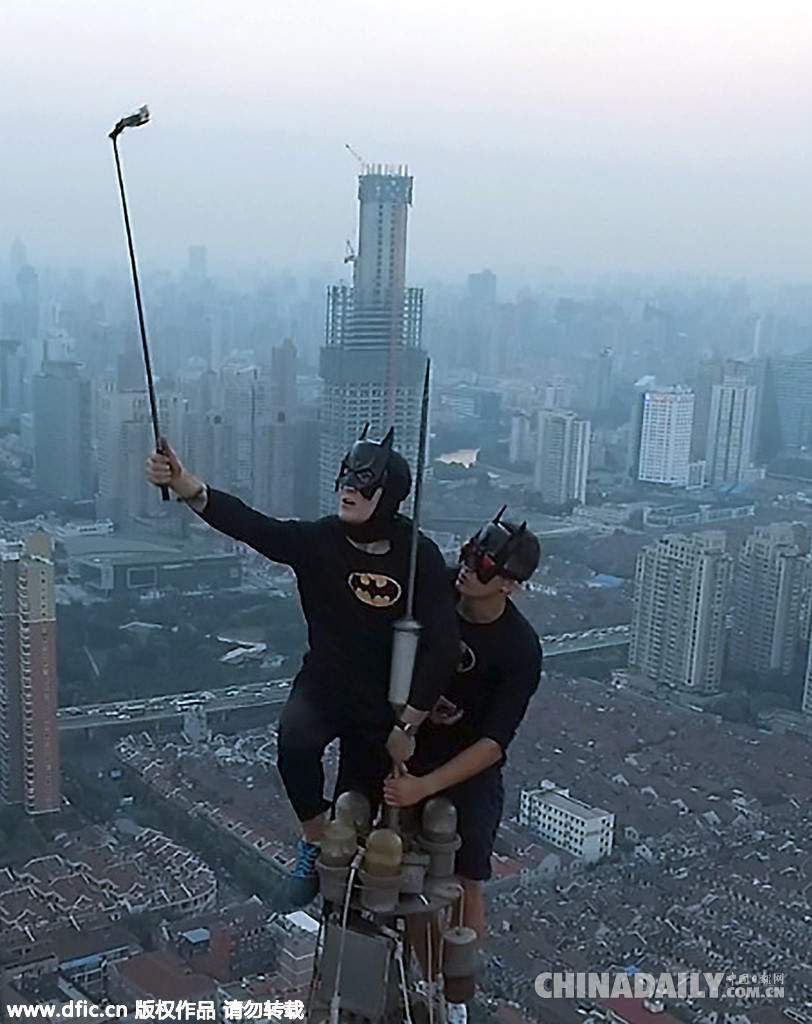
x=303 y=881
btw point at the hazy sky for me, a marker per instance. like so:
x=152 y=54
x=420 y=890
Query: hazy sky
x=607 y=135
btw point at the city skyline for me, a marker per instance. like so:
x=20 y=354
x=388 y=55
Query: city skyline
x=592 y=219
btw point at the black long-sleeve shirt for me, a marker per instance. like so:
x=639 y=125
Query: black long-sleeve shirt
x=497 y=674
x=350 y=599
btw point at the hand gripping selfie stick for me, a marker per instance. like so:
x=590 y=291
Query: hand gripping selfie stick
x=407 y=629
x=141 y=116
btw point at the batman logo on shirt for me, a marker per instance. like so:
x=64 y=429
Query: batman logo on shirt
x=374 y=588
x=467 y=659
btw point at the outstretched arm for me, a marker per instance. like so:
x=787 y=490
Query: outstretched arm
x=279 y=540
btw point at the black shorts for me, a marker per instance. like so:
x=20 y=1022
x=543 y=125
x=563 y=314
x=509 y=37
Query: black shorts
x=479 y=804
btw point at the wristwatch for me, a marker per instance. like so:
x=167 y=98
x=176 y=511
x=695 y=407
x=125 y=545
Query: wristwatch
x=407 y=728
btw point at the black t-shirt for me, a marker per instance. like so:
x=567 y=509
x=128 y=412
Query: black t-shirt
x=350 y=599
x=497 y=673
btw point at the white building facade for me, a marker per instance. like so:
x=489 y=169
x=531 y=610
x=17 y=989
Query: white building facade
x=561 y=820
x=664 y=445
x=562 y=457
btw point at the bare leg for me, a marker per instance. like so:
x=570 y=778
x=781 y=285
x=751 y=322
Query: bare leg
x=474 y=909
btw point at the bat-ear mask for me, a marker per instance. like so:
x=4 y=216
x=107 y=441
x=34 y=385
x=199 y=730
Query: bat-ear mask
x=365 y=467
x=368 y=466
x=501 y=548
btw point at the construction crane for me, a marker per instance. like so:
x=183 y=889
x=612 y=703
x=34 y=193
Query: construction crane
x=356 y=154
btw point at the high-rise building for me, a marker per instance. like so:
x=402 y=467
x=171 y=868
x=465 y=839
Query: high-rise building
x=373 y=364
x=680 y=600
x=562 y=457
x=730 y=430
x=792 y=384
x=769 y=586
x=204 y=431
x=482 y=287
x=63 y=442
x=599 y=381
x=558 y=394
x=522 y=445
x=125 y=438
x=244 y=401
x=641 y=386
x=21 y=318
x=277 y=437
x=274 y=463
x=29 y=737
x=708 y=373
x=11 y=380
x=259 y=430
x=663 y=444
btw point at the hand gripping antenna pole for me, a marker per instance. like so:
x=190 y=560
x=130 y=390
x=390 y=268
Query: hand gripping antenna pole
x=141 y=116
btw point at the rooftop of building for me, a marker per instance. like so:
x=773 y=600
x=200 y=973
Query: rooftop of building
x=565 y=802
x=163 y=975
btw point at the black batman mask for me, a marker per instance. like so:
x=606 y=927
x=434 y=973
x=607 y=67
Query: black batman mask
x=501 y=548
x=368 y=466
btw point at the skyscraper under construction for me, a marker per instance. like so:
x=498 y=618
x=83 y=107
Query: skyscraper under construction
x=372 y=364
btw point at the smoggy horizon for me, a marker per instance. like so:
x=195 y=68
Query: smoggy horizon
x=589 y=140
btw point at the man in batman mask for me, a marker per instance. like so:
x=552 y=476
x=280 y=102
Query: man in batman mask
x=352 y=572
x=461 y=749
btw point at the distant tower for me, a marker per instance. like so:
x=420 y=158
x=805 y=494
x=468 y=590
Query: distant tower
x=661 y=441
x=18 y=256
x=792 y=383
x=482 y=287
x=599 y=381
x=29 y=737
x=245 y=398
x=770 y=582
x=125 y=438
x=372 y=364
x=63 y=440
x=562 y=457
x=680 y=599
x=730 y=430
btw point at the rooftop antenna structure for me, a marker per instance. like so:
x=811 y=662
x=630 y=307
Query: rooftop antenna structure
x=135 y=120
